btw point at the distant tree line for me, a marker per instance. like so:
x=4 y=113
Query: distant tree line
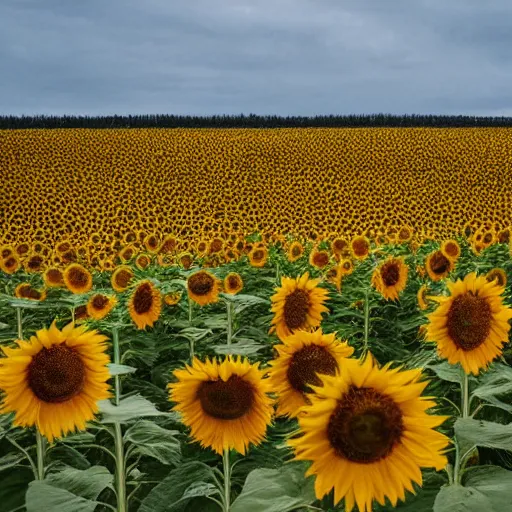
x=251 y=121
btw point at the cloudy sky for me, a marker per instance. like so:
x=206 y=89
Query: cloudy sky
x=285 y=57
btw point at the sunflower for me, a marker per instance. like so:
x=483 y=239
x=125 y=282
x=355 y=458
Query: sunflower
x=438 y=266
x=404 y=234
x=145 y=304
x=203 y=288
x=25 y=291
x=335 y=276
x=34 y=263
x=121 y=278
x=225 y=404
x=390 y=278
x=216 y=245
x=422 y=297
x=471 y=325
x=360 y=247
x=54 y=278
x=318 y=259
x=168 y=245
x=151 y=243
x=302 y=356
x=340 y=247
x=10 y=265
x=55 y=380
x=99 y=306
x=346 y=267
x=295 y=251
x=127 y=253
x=80 y=314
x=77 y=278
x=297 y=305
x=6 y=251
x=22 y=249
x=233 y=283
x=368 y=434
x=451 y=249
x=165 y=260
x=142 y=261
x=258 y=256
x=202 y=248
x=498 y=275
x=186 y=260
x=173 y=298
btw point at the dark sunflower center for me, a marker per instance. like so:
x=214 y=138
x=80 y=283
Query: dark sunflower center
x=233 y=282
x=360 y=247
x=6 y=253
x=56 y=374
x=390 y=274
x=81 y=313
x=488 y=238
x=451 y=249
x=498 y=277
x=365 y=425
x=258 y=255
x=226 y=400
x=340 y=245
x=33 y=294
x=35 y=262
x=439 y=263
x=143 y=299
x=123 y=278
x=296 y=307
x=296 y=251
x=77 y=277
x=321 y=259
x=469 y=321
x=152 y=242
x=54 y=276
x=99 y=301
x=306 y=363
x=201 y=283
x=10 y=262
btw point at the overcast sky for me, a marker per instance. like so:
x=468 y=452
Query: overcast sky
x=285 y=57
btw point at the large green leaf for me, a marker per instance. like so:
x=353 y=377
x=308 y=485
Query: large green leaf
x=42 y=497
x=275 y=490
x=486 y=489
x=129 y=408
x=496 y=382
x=446 y=371
x=471 y=433
x=180 y=485
x=10 y=460
x=155 y=441
x=120 y=369
x=86 y=483
x=13 y=486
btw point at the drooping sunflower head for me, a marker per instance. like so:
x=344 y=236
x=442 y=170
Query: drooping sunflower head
x=295 y=251
x=451 y=249
x=258 y=256
x=471 y=325
x=360 y=247
x=298 y=304
x=369 y=425
x=100 y=305
x=340 y=247
x=438 y=266
x=233 y=283
x=390 y=278
x=55 y=380
x=302 y=357
x=54 y=277
x=172 y=298
x=10 y=265
x=498 y=275
x=346 y=267
x=335 y=276
x=422 y=297
x=142 y=261
x=145 y=304
x=77 y=278
x=203 y=288
x=25 y=291
x=127 y=253
x=121 y=278
x=226 y=404
x=318 y=259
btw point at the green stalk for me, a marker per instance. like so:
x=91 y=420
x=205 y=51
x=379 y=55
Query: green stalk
x=465 y=395
x=366 y=322
x=41 y=449
x=191 y=340
x=190 y=304
x=120 y=465
x=19 y=322
x=278 y=274
x=229 y=308
x=227 y=480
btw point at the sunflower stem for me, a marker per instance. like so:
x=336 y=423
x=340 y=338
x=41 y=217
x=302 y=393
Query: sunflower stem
x=366 y=321
x=117 y=360
x=41 y=449
x=227 y=480
x=229 y=308
x=19 y=322
x=120 y=469
x=465 y=395
x=278 y=273
x=190 y=304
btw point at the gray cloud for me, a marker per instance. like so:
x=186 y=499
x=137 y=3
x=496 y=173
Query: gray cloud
x=288 y=57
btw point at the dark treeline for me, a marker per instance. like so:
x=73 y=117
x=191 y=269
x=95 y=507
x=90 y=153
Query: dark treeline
x=251 y=121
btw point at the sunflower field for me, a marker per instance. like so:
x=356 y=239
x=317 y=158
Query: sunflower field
x=255 y=320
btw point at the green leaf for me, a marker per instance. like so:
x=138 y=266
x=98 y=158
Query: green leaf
x=120 y=369
x=13 y=487
x=497 y=381
x=471 y=433
x=129 y=408
x=10 y=460
x=486 y=489
x=446 y=371
x=195 y=333
x=243 y=348
x=155 y=441
x=42 y=497
x=275 y=490
x=173 y=489
x=87 y=483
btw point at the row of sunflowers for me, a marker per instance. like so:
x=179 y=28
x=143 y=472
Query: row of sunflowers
x=295 y=376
